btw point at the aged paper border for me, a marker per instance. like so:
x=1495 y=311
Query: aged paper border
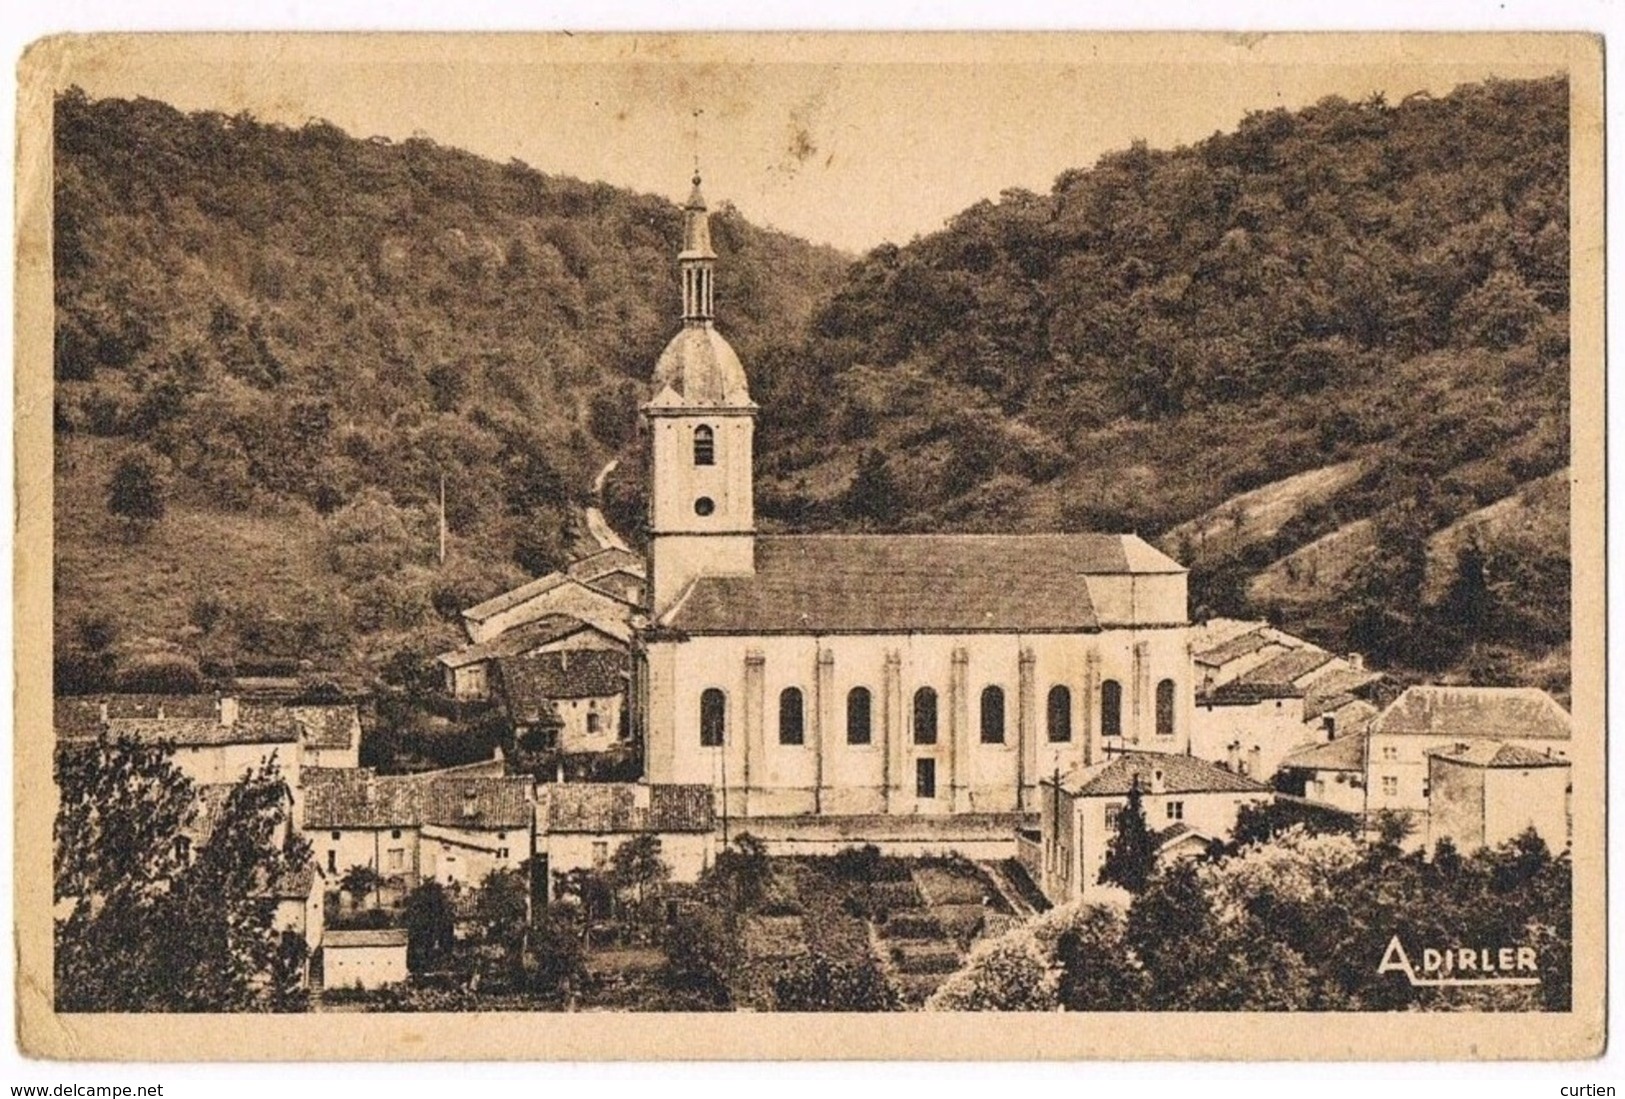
x=53 y=63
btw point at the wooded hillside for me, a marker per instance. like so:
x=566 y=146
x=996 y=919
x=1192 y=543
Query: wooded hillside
x=295 y=333
x=1374 y=290
x=1346 y=325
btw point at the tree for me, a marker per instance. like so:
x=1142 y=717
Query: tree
x=502 y=910
x=636 y=867
x=873 y=494
x=744 y=870
x=700 y=955
x=1131 y=854
x=1009 y=973
x=360 y=880
x=136 y=492
x=820 y=983
x=152 y=923
x=430 y=926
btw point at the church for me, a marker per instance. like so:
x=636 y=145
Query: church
x=834 y=675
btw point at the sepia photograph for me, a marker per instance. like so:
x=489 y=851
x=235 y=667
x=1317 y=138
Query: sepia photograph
x=1081 y=527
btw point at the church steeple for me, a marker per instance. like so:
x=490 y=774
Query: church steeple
x=696 y=259
x=702 y=513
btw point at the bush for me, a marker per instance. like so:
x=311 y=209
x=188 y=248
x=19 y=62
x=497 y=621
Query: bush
x=820 y=984
x=700 y=954
x=913 y=925
x=1009 y=973
x=925 y=957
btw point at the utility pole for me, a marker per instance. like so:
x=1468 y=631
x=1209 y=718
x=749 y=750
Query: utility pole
x=442 y=517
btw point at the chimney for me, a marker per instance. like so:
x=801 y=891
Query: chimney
x=228 y=710
x=1157 y=785
x=640 y=796
x=103 y=708
x=1329 y=724
x=470 y=809
x=1357 y=661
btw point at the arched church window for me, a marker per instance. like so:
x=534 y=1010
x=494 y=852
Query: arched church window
x=992 y=715
x=858 y=730
x=705 y=446
x=1111 y=708
x=1060 y=714
x=925 y=716
x=1165 y=708
x=713 y=717
x=792 y=716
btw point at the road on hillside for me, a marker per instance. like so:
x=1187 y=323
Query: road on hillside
x=597 y=525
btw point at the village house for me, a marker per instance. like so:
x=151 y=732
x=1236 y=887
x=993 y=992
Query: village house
x=1223 y=649
x=1331 y=774
x=821 y=676
x=1265 y=694
x=365 y=959
x=575 y=699
x=1483 y=793
x=1425 y=719
x=580 y=826
x=470 y=672
x=453 y=826
x=299 y=896
x=553 y=594
x=218 y=740
x=613 y=571
x=1188 y=804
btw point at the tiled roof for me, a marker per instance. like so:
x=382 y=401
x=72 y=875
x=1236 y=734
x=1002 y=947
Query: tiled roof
x=340 y=799
x=1237 y=693
x=1335 y=689
x=1346 y=753
x=1180 y=775
x=1492 y=753
x=530 y=682
x=271 y=725
x=1216 y=631
x=611 y=807
x=510 y=599
x=1288 y=668
x=932 y=582
x=522 y=639
x=333 y=725
x=381 y=936
x=1235 y=648
x=1496 y=713
x=606 y=561
x=294 y=883
x=81 y=715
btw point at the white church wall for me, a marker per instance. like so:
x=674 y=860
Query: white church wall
x=828 y=774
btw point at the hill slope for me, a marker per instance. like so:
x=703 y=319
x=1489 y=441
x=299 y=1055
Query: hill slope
x=1355 y=286
x=300 y=333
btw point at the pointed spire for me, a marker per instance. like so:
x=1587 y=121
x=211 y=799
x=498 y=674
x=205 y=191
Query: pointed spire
x=695 y=260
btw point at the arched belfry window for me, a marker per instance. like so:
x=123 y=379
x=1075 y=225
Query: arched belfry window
x=792 y=716
x=713 y=717
x=1111 y=708
x=925 y=716
x=705 y=446
x=1060 y=714
x=858 y=714
x=992 y=715
x=1165 y=708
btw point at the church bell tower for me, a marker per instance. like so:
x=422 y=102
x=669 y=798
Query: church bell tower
x=702 y=517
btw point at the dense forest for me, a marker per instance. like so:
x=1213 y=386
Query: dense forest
x=1323 y=359
x=272 y=343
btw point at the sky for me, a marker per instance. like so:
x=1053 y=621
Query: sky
x=843 y=145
